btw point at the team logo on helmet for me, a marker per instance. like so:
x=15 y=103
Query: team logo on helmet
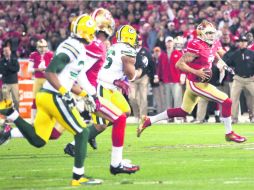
x=104 y=21
x=127 y=34
x=83 y=27
x=206 y=32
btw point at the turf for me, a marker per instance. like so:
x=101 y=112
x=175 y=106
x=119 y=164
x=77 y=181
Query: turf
x=171 y=157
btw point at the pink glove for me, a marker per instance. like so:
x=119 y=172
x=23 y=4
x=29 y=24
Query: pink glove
x=123 y=85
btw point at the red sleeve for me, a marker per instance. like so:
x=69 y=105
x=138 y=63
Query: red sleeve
x=218 y=44
x=95 y=49
x=193 y=47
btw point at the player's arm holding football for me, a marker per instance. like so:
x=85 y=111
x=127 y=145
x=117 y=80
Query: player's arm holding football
x=182 y=64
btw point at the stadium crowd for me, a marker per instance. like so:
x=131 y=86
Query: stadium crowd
x=26 y=22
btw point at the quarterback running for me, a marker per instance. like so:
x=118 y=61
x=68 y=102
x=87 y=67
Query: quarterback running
x=197 y=63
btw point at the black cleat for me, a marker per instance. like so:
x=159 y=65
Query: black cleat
x=5 y=133
x=124 y=167
x=93 y=143
x=70 y=149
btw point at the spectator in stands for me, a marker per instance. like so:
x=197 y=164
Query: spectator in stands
x=139 y=88
x=173 y=89
x=38 y=62
x=160 y=58
x=243 y=61
x=9 y=68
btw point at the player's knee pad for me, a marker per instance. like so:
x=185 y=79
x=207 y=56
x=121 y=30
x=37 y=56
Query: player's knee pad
x=226 y=108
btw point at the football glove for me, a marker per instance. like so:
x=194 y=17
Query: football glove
x=92 y=103
x=123 y=85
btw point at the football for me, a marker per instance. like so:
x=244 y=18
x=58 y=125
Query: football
x=209 y=72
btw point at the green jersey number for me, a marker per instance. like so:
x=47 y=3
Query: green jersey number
x=110 y=55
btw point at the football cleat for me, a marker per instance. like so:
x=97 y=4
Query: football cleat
x=70 y=149
x=144 y=123
x=6 y=107
x=86 y=181
x=5 y=133
x=235 y=137
x=124 y=167
x=93 y=143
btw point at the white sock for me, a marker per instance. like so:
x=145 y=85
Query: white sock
x=79 y=171
x=13 y=116
x=227 y=123
x=73 y=143
x=217 y=112
x=116 y=156
x=15 y=133
x=159 y=117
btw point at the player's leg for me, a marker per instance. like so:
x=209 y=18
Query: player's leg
x=250 y=97
x=118 y=165
x=236 y=90
x=38 y=82
x=201 y=109
x=189 y=102
x=70 y=119
x=210 y=92
x=114 y=108
x=38 y=134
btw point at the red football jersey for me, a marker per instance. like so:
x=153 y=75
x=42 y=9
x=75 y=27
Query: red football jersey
x=38 y=59
x=205 y=53
x=174 y=72
x=95 y=50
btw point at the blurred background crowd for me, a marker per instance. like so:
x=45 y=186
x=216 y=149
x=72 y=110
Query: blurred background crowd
x=158 y=23
x=27 y=21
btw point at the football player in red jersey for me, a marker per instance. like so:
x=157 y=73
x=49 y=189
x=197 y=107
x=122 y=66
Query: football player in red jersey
x=38 y=62
x=201 y=53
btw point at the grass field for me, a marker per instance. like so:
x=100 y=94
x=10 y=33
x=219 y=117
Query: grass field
x=171 y=157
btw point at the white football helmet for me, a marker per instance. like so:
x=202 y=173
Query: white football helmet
x=104 y=21
x=206 y=32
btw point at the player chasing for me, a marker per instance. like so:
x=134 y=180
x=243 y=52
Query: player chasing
x=54 y=101
x=199 y=57
x=107 y=107
x=113 y=108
